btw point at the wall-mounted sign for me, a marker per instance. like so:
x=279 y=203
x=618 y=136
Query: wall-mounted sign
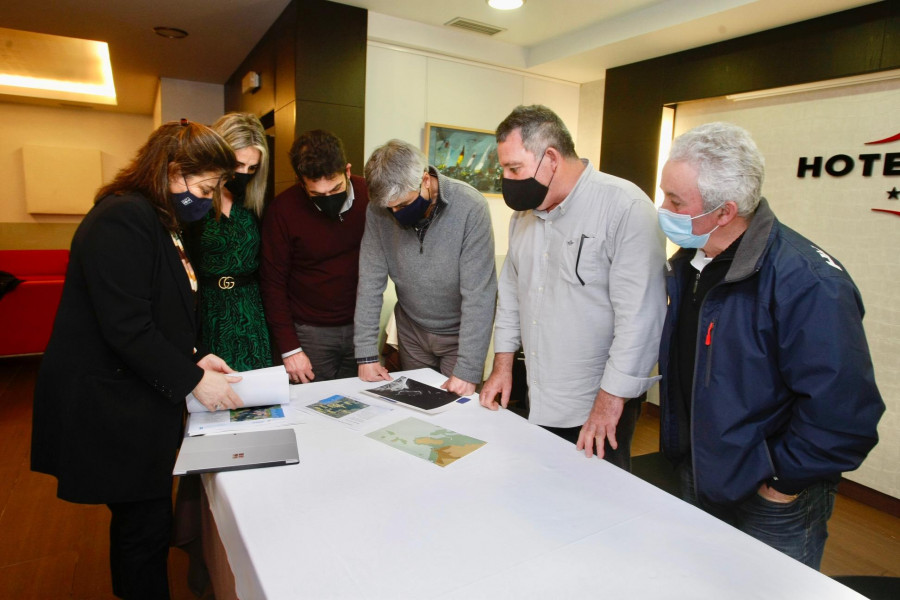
x=871 y=163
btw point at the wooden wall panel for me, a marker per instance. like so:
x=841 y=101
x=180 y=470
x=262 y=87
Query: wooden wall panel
x=853 y=42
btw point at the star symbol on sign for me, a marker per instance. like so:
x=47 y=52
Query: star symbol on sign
x=893 y=194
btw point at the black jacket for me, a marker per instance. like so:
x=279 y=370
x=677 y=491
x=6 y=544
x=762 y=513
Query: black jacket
x=109 y=400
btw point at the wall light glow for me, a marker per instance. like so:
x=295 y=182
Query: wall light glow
x=39 y=67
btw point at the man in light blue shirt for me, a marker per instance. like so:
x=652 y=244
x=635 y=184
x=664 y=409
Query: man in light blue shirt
x=582 y=289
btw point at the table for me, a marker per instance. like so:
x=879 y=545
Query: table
x=524 y=516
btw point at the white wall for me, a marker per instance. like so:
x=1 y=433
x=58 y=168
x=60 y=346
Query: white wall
x=192 y=100
x=407 y=88
x=117 y=136
x=835 y=213
x=590 y=120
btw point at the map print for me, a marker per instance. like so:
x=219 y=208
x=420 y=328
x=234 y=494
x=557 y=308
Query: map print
x=431 y=442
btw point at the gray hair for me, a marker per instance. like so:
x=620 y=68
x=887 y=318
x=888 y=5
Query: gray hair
x=540 y=128
x=394 y=169
x=729 y=166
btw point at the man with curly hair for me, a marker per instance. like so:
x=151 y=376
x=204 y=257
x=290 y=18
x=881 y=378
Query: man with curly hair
x=309 y=263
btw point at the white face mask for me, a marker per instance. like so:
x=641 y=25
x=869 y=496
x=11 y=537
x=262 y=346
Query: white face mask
x=680 y=228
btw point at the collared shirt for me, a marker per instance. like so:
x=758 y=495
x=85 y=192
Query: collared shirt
x=582 y=290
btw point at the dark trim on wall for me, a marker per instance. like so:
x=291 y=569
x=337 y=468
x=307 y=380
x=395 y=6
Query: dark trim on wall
x=853 y=42
x=869 y=497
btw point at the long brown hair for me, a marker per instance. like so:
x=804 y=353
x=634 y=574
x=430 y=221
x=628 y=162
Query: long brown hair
x=190 y=147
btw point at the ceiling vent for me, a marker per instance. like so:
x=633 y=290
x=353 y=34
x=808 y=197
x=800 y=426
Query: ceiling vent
x=474 y=26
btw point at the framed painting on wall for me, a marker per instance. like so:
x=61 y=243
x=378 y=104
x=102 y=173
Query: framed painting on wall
x=469 y=155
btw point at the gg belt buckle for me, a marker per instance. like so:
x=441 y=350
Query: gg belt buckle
x=226 y=282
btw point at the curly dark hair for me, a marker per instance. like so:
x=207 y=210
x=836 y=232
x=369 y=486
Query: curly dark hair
x=316 y=154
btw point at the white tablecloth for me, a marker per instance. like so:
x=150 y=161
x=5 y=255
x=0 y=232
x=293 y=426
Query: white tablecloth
x=525 y=516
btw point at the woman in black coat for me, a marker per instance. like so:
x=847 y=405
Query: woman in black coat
x=110 y=396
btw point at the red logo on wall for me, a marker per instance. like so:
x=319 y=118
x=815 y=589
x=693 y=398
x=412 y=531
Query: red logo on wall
x=893 y=138
x=893 y=194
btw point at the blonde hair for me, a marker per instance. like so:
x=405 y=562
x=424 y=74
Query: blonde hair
x=244 y=130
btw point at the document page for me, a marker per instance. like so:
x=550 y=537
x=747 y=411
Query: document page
x=201 y=423
x=260 y=387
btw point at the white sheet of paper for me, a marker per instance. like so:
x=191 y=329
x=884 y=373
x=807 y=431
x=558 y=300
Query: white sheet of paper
x=259 y=387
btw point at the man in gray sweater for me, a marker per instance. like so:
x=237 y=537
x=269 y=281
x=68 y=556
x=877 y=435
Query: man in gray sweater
x=432 y=235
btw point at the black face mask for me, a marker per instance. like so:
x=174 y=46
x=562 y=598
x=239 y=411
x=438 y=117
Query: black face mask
x=412 y=213
x=331 y=205
x=238 y=185
x=525 y=194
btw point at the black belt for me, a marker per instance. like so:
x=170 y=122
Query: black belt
x=227 y=282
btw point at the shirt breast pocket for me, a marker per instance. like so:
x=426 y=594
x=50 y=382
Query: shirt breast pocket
x=582 y=262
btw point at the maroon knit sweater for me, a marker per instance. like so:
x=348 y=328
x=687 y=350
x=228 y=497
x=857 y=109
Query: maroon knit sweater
x=309 y=264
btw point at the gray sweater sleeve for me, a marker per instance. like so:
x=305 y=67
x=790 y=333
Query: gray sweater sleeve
x=478 y=289
x=373 y=274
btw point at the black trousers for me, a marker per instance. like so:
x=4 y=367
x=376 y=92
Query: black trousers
x=139 y=535
x=621 y=457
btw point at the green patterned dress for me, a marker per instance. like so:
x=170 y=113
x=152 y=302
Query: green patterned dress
x=232 y=322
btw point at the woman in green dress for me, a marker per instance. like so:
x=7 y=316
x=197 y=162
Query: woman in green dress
x=224 y=249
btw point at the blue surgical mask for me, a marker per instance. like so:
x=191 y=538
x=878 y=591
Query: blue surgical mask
x=189 y=207
x=680 y=228
x=412 y=213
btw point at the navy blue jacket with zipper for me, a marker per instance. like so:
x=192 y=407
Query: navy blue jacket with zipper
x=784 y=389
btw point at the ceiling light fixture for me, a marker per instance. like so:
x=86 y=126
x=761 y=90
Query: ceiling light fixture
x=172 y=33
x=505 y=4
x=52 y=67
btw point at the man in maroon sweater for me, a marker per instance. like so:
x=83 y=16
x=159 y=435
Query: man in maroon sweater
x=309 y=263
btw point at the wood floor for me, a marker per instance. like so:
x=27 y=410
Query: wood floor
x=50 y=549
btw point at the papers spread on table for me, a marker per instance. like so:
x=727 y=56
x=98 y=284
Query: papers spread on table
x=260 y=387
x=349 y=411
x=252 y=417
x=433 y=443
x=415 y=394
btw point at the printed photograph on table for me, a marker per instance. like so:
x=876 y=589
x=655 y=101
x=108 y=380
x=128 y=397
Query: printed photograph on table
x=349 y=411
x=469 y=155
x=337 y=406
x=257 y=413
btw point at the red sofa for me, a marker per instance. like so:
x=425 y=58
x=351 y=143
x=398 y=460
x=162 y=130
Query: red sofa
x=28 y=310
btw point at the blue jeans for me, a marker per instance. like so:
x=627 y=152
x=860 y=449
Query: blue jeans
x=798 y=528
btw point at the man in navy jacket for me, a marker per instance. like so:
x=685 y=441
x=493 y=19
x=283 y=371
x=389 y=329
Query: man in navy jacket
x=768 y=392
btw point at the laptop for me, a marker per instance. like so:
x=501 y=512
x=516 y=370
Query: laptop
x=235 y=451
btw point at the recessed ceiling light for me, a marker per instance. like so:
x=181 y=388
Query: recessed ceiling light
x=39 y=65
x=172 y=33
x=505 y=4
